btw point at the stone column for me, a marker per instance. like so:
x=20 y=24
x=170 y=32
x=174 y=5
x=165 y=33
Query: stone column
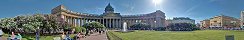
x=64 y=18
x=84 y=21
x=100 y=21
x=107 y=25
x=76 y=23
x=81 y=22
x=116 y=23
x=72 y=21
x=120 y=23
x=110 y=23
x=113 y=23
x=103 y=22
x=67 y=20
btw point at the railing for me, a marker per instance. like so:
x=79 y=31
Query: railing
x=111 y=36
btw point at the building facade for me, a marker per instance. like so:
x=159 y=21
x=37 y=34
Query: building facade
x=205 y=23
x=109 y=18
x=221 y=21
x=180 y=20
x=242 y=19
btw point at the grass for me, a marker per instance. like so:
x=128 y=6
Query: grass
x=180 y=35
x=111 y=36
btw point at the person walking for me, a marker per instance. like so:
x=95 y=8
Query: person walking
x=13 y=36
x=67 y=36
x=63 y=36
x=78 y=36
x=19 y=37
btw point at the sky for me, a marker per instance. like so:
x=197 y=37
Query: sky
x=194 y=9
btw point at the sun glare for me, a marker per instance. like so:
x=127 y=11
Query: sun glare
x=156 y=2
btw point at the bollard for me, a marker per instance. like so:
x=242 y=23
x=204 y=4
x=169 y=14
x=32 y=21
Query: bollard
x=229 y=37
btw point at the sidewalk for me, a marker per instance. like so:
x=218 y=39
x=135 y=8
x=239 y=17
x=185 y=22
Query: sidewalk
x=96 y=36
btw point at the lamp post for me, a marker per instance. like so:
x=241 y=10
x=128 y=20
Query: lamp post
x=37 y=34
x=155 y=23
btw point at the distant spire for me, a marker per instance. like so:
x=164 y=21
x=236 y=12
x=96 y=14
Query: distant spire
x=109 y=8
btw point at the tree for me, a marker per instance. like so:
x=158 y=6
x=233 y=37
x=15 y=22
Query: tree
x=140 y=26
x=93 y=25
x=182 y=27
x=79 y=29
x=8 y=23
x=29 y=23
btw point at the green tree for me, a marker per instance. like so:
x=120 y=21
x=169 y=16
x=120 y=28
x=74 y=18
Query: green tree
x=30 y=23
x=140 y=26
x=8 y=23
x=182 y=27
x=93 y=25
x=79 y=29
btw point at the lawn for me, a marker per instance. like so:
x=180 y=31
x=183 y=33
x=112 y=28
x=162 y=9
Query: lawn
x=180 y=35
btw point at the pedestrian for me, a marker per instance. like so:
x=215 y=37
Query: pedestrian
x=77 y=36
x=19 y=37
x=103 y=31
x=13 y=36
x=100 y=31
x=67 y=36
x=63 y=36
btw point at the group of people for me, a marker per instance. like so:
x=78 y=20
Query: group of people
x=14 y=36
x=66 y=36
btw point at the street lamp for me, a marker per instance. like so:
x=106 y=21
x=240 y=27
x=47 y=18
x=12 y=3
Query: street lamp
x=37 y=34
x=155 y=23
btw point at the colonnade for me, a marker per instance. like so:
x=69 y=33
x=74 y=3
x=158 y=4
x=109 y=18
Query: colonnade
x=109 y=22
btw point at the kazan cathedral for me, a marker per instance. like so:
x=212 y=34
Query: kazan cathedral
x=109 y=18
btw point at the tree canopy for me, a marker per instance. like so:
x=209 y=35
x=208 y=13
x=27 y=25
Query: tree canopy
x=92 y=25
x=140 y=26
x=182 y=27
x=30 y=23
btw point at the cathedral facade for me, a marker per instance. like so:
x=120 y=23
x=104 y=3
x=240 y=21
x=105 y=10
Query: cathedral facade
x=109 y=18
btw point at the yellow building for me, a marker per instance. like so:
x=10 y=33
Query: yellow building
x=221 y=21
x=205 y=23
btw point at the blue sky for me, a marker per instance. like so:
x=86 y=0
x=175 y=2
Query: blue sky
x=195 y=9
